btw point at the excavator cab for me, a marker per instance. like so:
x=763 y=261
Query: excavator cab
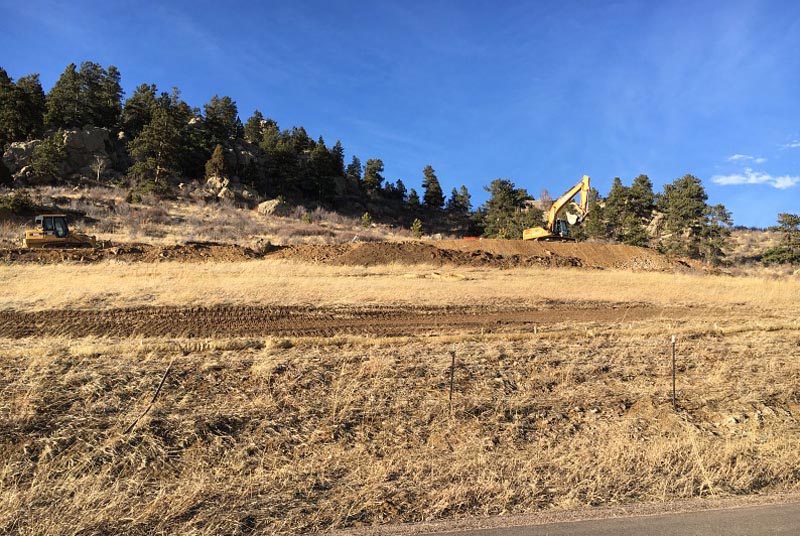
x=52 y=231
x=561 y=228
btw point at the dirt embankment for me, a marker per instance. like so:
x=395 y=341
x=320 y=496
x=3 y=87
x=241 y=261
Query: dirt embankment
x=475 y=253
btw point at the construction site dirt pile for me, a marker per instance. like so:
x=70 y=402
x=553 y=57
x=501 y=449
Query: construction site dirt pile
x=413 y=253
x=502 y=254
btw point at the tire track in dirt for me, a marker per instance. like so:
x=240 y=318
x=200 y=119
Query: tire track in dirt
x=243 y=320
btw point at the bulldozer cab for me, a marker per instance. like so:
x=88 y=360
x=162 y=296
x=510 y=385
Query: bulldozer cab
x=53 y=225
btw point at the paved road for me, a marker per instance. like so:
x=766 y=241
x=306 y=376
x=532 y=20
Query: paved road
x=773 y=520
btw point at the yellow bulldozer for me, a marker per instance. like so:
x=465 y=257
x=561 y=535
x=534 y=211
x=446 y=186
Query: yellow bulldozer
x=52 y=232
x=558 y=229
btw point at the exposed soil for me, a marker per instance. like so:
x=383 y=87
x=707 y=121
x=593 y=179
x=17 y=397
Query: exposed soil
x=475 y=253
x=240 y=320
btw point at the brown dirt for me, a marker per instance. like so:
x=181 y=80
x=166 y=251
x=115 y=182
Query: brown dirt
x=189 y=252
x=475 y=253
x=243 y=321
x=589 y=254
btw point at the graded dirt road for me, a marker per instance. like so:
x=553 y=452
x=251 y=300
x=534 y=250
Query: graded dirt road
x=242 y=321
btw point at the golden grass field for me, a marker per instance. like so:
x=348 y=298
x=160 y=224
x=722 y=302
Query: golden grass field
x=293 y=435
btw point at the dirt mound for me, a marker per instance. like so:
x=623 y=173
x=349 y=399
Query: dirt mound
x=189 y=252
x=588 y=254
x=411 y=253
x=475 y=253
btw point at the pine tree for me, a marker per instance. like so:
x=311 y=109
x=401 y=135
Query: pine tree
x=505 y=214
x=31 y=106
x=459 y=201
x=715 y=234
x=416 y=228
x=353 y=171
x=616 y=209
x=48 y=156
x=433 y=196
x=9 y=115
x=337 y=154
x=683 y=203
x=158 y=150
x=372 y=175
x=215 y=167
x=254 y=128
x=110 y=97
x=221 y=118
x=413 y=201
x=138 y=110
x=64 y=101
x=788 y=251
x=641 y=198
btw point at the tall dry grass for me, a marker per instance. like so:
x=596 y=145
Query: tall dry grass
x=294 y=436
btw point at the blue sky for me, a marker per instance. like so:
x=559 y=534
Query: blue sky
x=537 y=92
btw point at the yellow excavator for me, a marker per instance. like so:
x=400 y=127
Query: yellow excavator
x=557 y=229
x=52 y=232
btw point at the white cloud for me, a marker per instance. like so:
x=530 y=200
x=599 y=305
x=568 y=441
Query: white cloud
x=792 y=145
x=746 y=158
x=757 y=177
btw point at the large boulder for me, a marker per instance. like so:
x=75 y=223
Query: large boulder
x=85 y=148
x=19 y=154
x=273 y=207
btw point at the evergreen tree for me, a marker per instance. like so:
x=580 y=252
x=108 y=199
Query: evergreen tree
x=64 y=101
x=683 y=203
x=138 y=109
x=372 y=175
x=353 y=171
x=505 y=214
x=323 y=172
x=254 y=128
x=433 y=196
x=91 y=77
x=641 y=198
x=31 y=106
x=413 y=201
x=337 y=154
x=459 y=201
x=715 y=234
x=48 y=156
x=215 y=167
x=616 y=209
x=222 y=120
x=9 y=115
x=788 y=251
x=109 y=110
x=158 y=151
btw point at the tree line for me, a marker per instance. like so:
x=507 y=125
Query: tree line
x=166 y=140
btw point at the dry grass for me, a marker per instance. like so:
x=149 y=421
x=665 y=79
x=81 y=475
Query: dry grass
x=295 y=436
x=311 y=434
x=170 y=222
x=28 y=287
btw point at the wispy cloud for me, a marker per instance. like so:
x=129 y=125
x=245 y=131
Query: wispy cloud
x=792 y=145
x=757 y=177
x=746 y=158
